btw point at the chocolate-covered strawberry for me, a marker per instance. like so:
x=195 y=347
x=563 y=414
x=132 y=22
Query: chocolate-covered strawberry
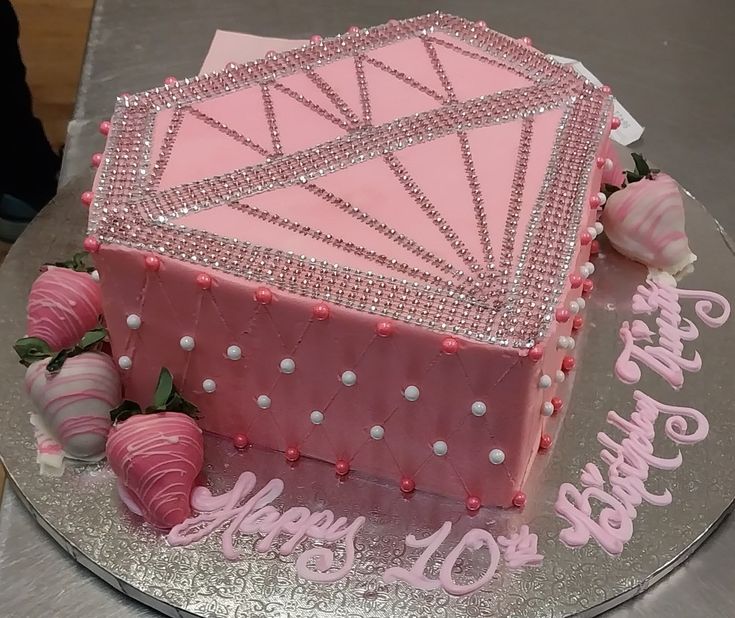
x=64 y=303
x=157 y=455
x=73 y=391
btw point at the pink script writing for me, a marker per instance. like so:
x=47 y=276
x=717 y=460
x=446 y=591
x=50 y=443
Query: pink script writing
x=666 y=358
x=519 y=550
x=243 y=515
x=628 y=462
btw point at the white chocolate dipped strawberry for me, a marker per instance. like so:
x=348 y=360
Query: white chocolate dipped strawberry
x=73 y=392
x=645 y=220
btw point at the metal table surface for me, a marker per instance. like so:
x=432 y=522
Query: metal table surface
x=669 y=62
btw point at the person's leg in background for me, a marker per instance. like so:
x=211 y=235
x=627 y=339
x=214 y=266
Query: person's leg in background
x=28 y=165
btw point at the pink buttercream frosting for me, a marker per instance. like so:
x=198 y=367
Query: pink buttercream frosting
x=75 y=403
x=156 y=458
x=63 y=305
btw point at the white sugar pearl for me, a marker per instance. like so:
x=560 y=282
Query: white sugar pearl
x=496 y=456
x=234 y=352
x=411 y=393
x=133 y=321
x=547 y=409
x=584 y=271
x=544 y=381
x=264 y=402
x=599 y=227
x=560 y=376
x=377 y=432
x=95 y=275
x=209 y=385
x=187 y=343
x=573 y=307
x=590 y=267
x=572 y=343
x=608 y=165
x=317 y=417
x=125 y=362
x=349 y=378
x=581 y=302
x=592 y=232
x=440 y=448
x=563 y=342
x=603 y=198
x=479 y=408
x=287 y=365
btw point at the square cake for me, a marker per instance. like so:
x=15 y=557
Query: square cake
x=369 y=250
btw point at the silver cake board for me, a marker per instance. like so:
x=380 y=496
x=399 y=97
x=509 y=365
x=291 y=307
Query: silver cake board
x=82 y=513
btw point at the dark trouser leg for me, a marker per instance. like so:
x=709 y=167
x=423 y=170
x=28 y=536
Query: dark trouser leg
x=28 y=165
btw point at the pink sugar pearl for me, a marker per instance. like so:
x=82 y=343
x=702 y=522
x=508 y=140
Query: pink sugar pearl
x=152 y=263
x=384 y=328
x=342 y=467
x=320 y=311
x=91 y=244
x=562 y=315
x=519 y=500
x=472 y=503
x=204 y=281
x=264 y=296
x=450 y=345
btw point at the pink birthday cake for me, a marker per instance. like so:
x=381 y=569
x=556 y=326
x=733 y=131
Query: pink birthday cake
x=373 y=251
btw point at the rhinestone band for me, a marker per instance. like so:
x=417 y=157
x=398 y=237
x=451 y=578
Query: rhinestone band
x=501 y=302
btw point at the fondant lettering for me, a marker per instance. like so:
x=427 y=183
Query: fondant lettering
x=257 y=515
x=667 y=357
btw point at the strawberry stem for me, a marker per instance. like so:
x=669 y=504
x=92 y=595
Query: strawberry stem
x=33 y=349
x=642 y=169
x=165 y=399
x=76 y=263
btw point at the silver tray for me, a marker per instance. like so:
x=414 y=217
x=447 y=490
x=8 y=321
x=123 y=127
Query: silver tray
x=82 y=513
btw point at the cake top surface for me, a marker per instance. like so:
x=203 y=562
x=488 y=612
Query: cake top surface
x=429 y=170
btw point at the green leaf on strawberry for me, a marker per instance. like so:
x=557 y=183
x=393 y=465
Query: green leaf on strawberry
x=642 y=169
x=55 y=364
x=91 y=338
x=124 y=411
x=77 y=263
x=164 y=390
x=33 y=349
x=165 y=399
x=89 y=342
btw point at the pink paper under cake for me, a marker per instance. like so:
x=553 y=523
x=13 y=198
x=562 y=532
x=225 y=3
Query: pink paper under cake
x=346 y=251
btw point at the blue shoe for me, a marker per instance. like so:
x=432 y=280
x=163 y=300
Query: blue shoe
x=15 y=215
